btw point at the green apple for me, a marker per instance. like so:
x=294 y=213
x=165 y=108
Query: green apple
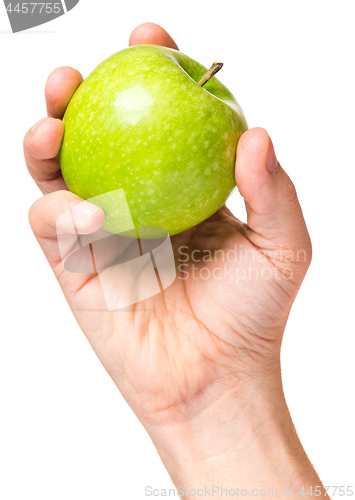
x=141 y=122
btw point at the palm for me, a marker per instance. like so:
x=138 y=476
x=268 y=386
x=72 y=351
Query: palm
x=165 y=350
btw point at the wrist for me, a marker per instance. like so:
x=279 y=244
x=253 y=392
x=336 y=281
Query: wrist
x=235 y=439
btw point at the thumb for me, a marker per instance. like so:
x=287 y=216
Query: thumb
x=274 y=214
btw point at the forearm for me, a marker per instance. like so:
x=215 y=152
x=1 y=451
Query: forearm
x=250 y=444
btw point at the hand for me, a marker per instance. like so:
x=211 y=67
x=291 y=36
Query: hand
x=203 y=350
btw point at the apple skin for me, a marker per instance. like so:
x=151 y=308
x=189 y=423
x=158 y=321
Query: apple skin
x=140 y=122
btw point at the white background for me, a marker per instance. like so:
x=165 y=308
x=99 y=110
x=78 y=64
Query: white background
x=65 y=431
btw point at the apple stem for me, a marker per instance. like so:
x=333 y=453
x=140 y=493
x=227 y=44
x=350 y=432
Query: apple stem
x=210 y=73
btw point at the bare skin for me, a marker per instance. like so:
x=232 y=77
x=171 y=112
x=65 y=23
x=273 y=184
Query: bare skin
x=202 y=358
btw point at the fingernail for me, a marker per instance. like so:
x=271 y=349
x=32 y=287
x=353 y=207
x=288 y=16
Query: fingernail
x=34 y=128
x=83 y=210
x=271 y=161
